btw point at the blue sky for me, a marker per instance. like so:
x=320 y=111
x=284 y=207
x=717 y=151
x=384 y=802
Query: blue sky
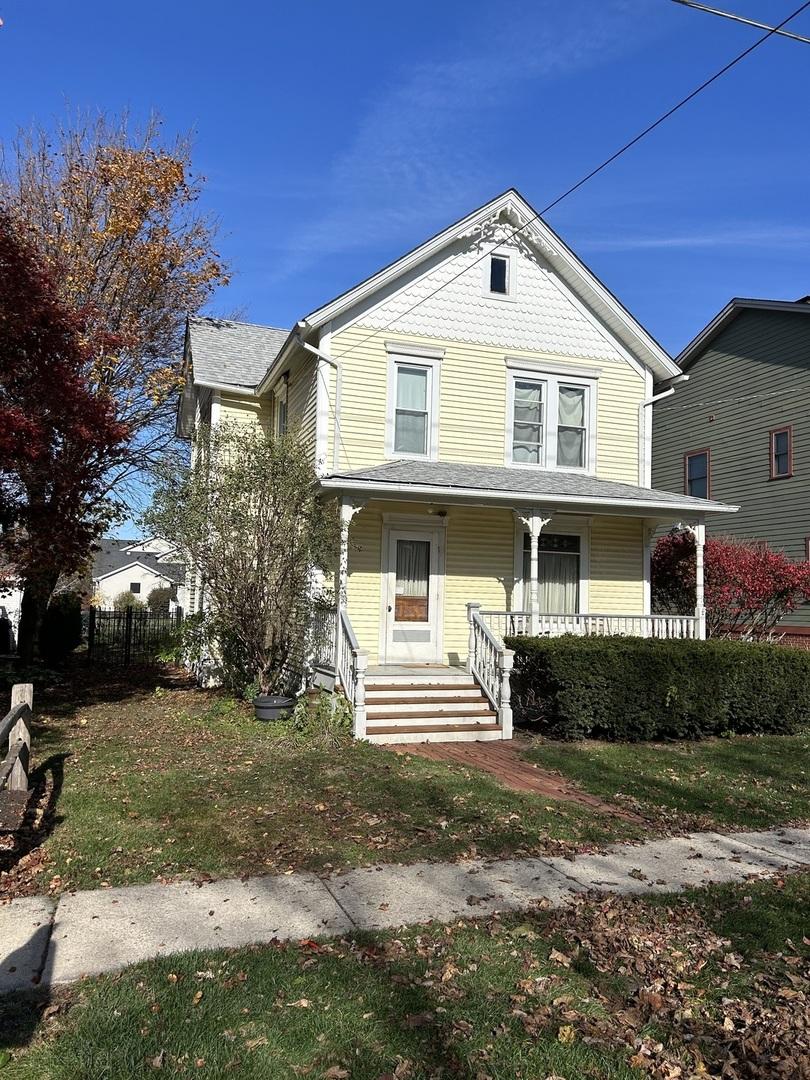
x=335 y=136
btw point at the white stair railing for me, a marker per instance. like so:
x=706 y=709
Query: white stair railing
x=490 y=662
x=352 y=663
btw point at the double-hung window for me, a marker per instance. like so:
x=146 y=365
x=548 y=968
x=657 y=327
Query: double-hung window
x=551 y=421
x=281 y=421
x=558 y=573
x=781 y=453
x=413 y=385
x=697 y=480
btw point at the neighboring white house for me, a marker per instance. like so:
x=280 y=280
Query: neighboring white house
x=10 y=603
x=138 y=567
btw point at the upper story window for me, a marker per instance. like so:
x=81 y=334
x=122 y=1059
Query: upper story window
x=411 y=414
x=135 y=587
x=499 y=275
x=781 y=453
x=551 y=421
x=281 y=414
x=697 y=473
x=413 y=405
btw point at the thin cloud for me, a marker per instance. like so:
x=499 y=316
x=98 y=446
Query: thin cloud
x=420 y=153
x=760 y=237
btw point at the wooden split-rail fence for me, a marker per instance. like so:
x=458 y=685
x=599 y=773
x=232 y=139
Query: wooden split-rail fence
x=16 y=727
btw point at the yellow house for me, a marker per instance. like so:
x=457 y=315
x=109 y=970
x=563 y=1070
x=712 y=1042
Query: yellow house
x=482 y=410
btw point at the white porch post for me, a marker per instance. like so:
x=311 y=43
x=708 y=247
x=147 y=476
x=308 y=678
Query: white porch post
x=699 y=533
x=473 y=607
x=505 y=711
x=534 y=522
x=648 y=534
x=348 y=508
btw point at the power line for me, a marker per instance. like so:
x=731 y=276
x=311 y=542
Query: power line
x=728 y=401
x=741 y=19
x=589 y=176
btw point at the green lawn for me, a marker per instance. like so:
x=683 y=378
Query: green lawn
x=608 y=989
x=159 y=783
x=745 y=782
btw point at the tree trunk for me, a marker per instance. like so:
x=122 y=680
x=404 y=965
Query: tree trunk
x=33 y=605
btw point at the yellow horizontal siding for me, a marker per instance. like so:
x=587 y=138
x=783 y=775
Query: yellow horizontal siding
x=479 y=566
x=242 y=410
x=617 y=566
x=472 y=409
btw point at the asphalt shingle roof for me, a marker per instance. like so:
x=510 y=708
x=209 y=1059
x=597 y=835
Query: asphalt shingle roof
x=233 y=353
x=112 y=555
x=501 y=478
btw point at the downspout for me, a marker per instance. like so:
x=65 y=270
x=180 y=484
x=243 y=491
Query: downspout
x=338 y=385
x=645 y=457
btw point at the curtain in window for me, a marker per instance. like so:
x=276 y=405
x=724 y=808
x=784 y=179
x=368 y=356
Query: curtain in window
x=571 y=427
x=413 y=576
x=410 y=428
x=527 y=434
x=559 y=583
x=413 y=567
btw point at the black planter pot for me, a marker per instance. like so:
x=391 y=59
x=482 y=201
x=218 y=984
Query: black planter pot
x=272 y=706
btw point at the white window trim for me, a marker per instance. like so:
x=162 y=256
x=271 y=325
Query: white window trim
x=431 y=364
x=552 y=379
x=557 y=527
x=511 y=275
x=280 y=392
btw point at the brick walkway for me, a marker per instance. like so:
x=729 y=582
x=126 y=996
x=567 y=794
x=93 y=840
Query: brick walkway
x=503 y=761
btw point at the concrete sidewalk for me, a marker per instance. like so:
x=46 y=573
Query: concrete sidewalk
x=50 y=942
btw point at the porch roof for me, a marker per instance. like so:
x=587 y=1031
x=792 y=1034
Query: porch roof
x=516 y=486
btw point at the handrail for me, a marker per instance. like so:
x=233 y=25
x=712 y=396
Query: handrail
x=16 y=726
x=491 y=663
x=351 y=663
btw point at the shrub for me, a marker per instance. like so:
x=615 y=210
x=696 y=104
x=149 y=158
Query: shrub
x=61 y=629
x=625 y=688
x=749 y=588
x=127 y=599
x=159 y=598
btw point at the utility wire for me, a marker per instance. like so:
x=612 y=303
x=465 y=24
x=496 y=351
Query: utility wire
x=589 y=176
x=742 y=19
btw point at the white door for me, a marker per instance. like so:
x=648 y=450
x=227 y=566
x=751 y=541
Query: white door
x=413 y=584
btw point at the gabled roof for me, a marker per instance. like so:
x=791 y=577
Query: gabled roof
x=730 y=312
x=576 y=275
x=493 y=483
x=232 y=354
x=112 y=555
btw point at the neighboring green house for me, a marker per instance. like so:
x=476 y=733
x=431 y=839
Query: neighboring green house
x=738 y=428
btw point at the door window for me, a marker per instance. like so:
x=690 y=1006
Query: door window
x=412 y=592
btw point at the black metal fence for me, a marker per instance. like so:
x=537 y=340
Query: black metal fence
x=129 y=637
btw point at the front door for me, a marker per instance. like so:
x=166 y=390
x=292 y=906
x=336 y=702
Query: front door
x=412 y=582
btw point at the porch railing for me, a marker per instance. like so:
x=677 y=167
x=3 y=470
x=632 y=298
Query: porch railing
x=351 y=663
x=491 y=663
x=516 y=623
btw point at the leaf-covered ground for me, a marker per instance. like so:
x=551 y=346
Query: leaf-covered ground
x=744 y=782
x=140 y=782
x=711 y=984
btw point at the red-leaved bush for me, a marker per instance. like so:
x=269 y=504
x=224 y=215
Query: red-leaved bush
x=749 y=588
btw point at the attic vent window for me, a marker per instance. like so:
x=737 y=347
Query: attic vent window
x=499 y=275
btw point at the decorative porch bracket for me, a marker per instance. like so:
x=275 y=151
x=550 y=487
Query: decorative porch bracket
x=534 y=521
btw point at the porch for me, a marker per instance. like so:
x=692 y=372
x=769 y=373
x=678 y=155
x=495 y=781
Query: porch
x=431 y=583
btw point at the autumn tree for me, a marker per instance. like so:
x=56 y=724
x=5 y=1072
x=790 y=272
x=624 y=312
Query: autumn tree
x=113 y=210
x=59 y=435
x=749 y=588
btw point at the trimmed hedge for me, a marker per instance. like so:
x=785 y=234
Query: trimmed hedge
x=625 y=688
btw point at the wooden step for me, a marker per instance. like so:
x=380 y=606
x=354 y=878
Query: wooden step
x=417 y=700
x=428 y=714
x=408 y=682
x=423 y=729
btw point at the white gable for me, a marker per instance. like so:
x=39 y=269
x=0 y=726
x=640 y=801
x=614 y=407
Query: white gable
x=539 y=315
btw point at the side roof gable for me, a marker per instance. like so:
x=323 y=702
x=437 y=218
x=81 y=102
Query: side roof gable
x=512 y=209
x=696 y=347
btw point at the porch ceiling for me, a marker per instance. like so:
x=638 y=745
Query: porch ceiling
x=516 y=487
